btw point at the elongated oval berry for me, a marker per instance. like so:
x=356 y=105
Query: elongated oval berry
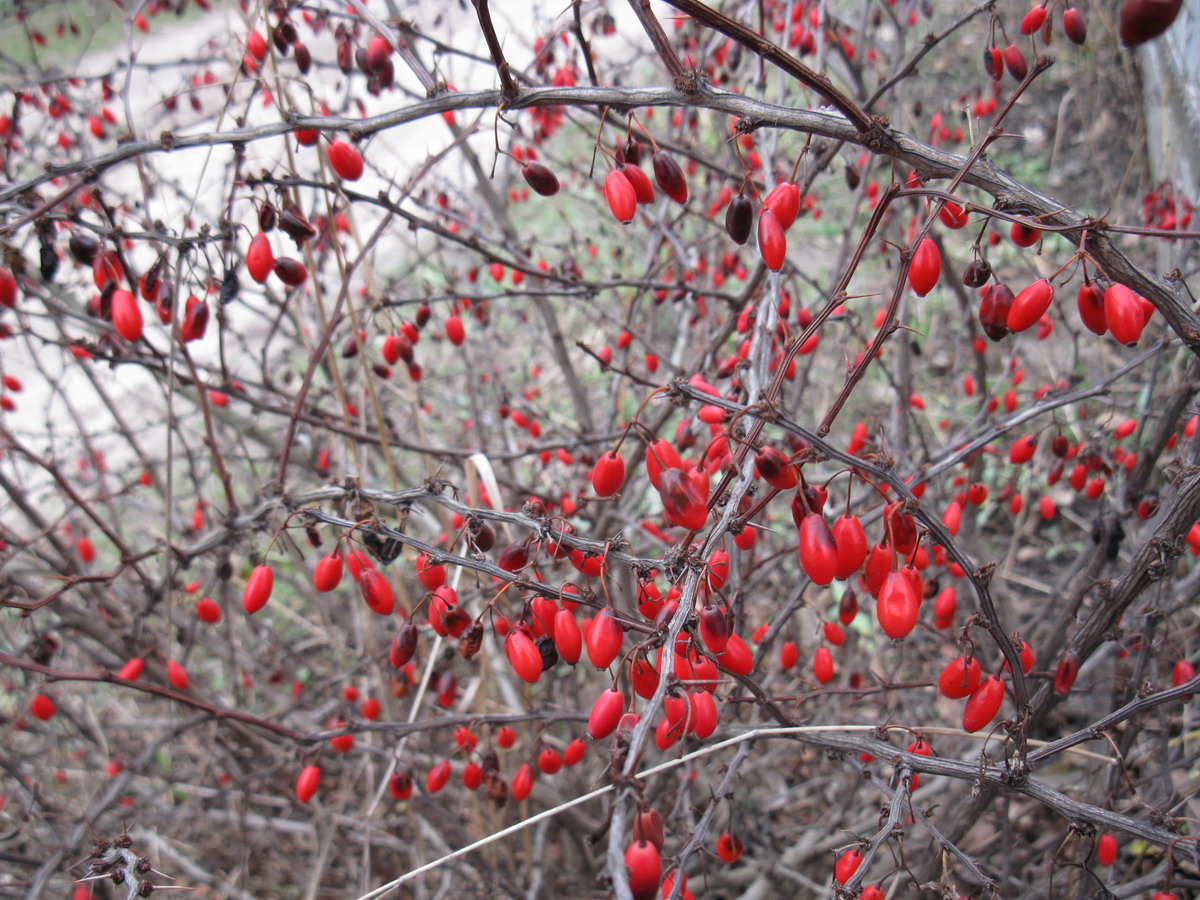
x=1091 y=307
x=953 y=216
x=540 y=178
x=704 y=716
x=737 y=657
x=177 y=675
x=983 y=704
x=645 y=869
x=739 y=219
x=818 y=550
x=1014 y=61
x=258 y=589
x=959 y=678
x=126 y=315
x=1034 y=19
x=995 y=301
x=847 y=865
x=823 y=669
x=784 y=201
x=643 y=187
x=604 y=639
x=377 y=592
x=606 y=714
x=660 y=455
x=455 y=332
x=568 y=639
x=345 y=160
x=1074 y=27
x=897 y=606
x=714 y=629
x=852 y=546
x=290 y=271
x=729 y=847
x=307 y=783
x=1030 y=305
x=608 y=474
x=522 y=783
x=8 y=284
x=1122 y=312
x=1066 y=672
x=132 y=669
x=670 y=177
x=1106 y=850
x=404 y=646
x=772 y=243
x=328 y=573
x=925 y=268
x=524 y=656
x=260 y=259
x=620 y=195
x=1144 y=20
x=1022 y=449
x=438 y=777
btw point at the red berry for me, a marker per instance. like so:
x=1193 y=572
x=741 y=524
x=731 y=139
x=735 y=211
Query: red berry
x=438 y=777
x=524 y=656
x=925 y=268
x=847 y=865
x=823 y=669
x=983 y=704
x=1074 y=27
x=328 y=573
x=959 y=678
x=604 y=639
x=126 y=315
x=622 y=199
x=260 y=259
x=522 y=783
x=1030 y=305
x=669 y=176
x=178 y=675
x=1144 y=20
x=772 y=243
x=208 y=611
x=307 y=783
x=1034 y=19
x=1106 y=850
x=608 y=474
x=729 y=847
x=258 y=589
x=345 y=160
x=42 y=707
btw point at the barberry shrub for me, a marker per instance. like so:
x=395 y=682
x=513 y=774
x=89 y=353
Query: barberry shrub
x=583 y=544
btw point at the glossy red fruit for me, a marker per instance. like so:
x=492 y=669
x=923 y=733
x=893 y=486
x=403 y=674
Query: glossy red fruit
x=1034 y=20
x=524 y=656
x=608 y=474
x=260 y=259
x=133 y=668
x=1090 y=301
x=195 y=319
x=207 y=611
x=1182 y=673
x=540 y=178
x=1066 y=672
x=818 y=550
x=897 y=606
x=823 y=669
x=400 y=785
x=1022 y=449
x=345 y=160
x=328 y=573
x=784 y=201
x=1074 y=27
x=670 y=177
x=983 y=704
x=126 y=315
x=1024 y=235
x=1014 y=61
x=1030 y=305
x=575 y=752
x=258 y=589
x=307 y=783
x=178 y=676
x=1123 y=313
x=290 y=271
x=847 y=865
x=739 y=219
x=645 y=869
x=737 y=657
x=772 y=243
x=684 y=503
x=643 y=187
x=775 y=468
x=455 y=332
x=522 y=783
x=959 y=678
x=622 y=200
x=852 y=546
x=549 y=761
x=1106 y=850
x=438 y=777
x=704 y=716
x=995 y=301
x=403 y=646
x=953 y=216
x=925 y=268
x=42 y=707
x=714 y=629
x=604 y=639
x=377 y=592
x=729 y=847
x=1144 y=20
x=606 y=714
x=568 y=639
x=8 y=288
x=660 y=455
